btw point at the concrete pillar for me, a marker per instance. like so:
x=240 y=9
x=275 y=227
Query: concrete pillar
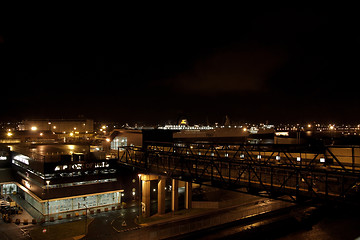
x=174 y=195
x=161 y=195
x=145 y=202
x=188 y=195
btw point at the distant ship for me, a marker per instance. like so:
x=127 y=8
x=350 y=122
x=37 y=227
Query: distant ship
x=225 y=134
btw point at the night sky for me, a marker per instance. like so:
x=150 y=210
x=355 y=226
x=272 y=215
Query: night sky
x=153 y=66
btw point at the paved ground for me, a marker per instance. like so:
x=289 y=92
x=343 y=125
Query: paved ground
x=107 y=225
x=104 y=225
x=11 y=231
x=121 y=223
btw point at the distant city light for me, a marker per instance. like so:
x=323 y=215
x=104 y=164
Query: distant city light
x=33 y=128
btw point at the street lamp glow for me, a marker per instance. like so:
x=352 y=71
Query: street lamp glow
x=33 y=128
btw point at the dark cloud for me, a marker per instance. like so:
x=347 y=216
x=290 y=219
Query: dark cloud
x=231 y=70
x=278 y=63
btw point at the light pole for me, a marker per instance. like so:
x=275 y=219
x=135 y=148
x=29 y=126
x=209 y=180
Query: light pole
x=86 y=210
x=47 y=193
x=139 y=194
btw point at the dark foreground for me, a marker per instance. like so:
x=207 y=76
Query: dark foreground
x=324 y=223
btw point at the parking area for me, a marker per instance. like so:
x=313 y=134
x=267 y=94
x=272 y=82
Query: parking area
x=12 y=212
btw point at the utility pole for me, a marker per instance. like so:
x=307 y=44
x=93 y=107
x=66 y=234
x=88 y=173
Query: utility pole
x=48 y=202
x=86 y=210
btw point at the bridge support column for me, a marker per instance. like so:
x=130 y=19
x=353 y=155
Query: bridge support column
x=174 y=195
x=145 y=201
x=161 y=195
x=188 y=195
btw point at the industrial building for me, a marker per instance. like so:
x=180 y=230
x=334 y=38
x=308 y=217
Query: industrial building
x=64 y=179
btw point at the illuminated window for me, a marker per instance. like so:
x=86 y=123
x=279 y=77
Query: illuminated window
x=118 y=142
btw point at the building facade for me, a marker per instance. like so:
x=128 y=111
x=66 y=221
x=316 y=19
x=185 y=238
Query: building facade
x=61 y=182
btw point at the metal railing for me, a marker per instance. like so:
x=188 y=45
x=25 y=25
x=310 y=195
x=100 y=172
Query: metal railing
x=295 y=170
